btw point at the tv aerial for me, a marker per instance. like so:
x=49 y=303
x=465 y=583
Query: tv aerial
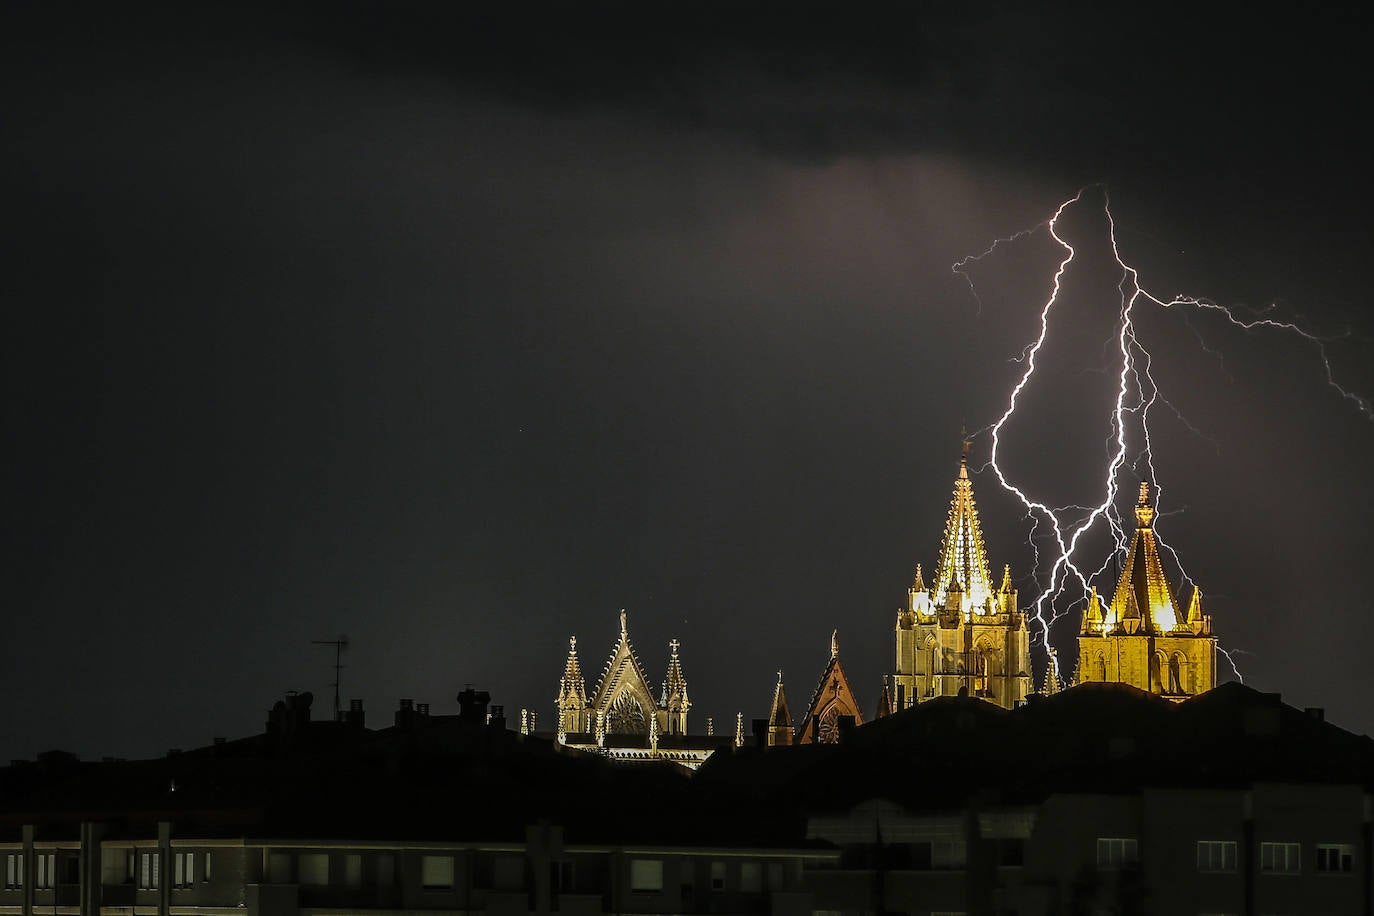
x=339 y=645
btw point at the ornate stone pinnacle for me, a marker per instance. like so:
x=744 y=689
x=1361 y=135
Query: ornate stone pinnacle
x=834 y=643
x=622 y=621
x=673 y=644
x=1144 y=512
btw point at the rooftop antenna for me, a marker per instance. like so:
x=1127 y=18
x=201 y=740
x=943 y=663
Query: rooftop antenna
x=339 y=645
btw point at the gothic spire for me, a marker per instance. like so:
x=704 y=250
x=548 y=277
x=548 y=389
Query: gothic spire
x=572 y=688
x=779 y=716
x=1052 y=685
x=675 y=684
x=963 y=558
x=1142 y=591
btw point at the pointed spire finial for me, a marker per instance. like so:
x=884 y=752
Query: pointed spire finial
x=622 y=621
x=673 y=644
x=1144 y=512
x=965 y=440
x=834 y=643
x=572 y=643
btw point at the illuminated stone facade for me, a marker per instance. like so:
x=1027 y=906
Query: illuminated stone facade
x=1140 y=638
x=961 y=636
x=622 y=719
x=832 y=702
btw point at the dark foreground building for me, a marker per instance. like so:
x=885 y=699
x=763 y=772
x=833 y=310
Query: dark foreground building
x=1100 y=799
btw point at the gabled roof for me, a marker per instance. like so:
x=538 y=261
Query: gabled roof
x=1142 y=591
x=622 y=668
x=963 y=562
x=832 y=693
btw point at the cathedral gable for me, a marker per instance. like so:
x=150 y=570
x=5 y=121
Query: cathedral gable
x=623 y=702
x=833 y=698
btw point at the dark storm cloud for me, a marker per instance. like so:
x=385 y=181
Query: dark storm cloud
x=458 y=331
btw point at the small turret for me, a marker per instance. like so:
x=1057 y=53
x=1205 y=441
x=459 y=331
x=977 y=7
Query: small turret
x=779 y=717
x=675 y=700
x=1092 y=614
x=572 y=696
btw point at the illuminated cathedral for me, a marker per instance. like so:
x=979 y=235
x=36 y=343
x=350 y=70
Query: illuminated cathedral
x=622 y=719
x=957 y=636
x=960 y=636
x=1140 y=638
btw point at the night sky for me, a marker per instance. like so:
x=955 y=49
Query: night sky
x=459 y=332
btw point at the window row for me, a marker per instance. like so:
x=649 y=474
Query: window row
x=646 y=876
x=184 y=869
x=1223 y=856
x=46 y=865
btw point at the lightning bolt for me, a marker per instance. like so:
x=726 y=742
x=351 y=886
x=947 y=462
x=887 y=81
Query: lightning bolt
x=1068 y=586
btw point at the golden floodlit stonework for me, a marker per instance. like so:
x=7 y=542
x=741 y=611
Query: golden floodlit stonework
x=1140 y=638
x=961 y=636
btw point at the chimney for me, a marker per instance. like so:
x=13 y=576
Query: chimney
x=355 y=716
x=472 y=706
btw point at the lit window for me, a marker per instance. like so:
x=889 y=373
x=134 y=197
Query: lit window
x=1117 y=852
x=751 y=877
x=312 y=869
x=149 y=871
x=47 y=863
x=1216 y=855
x=1280 y=858
x=1334 y=858
x=183 y=869
x=646 y=875
x=14 y=870
x=436 y=872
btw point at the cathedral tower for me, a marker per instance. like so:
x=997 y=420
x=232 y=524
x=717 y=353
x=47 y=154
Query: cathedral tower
x=962 y=636
x=1140 y=638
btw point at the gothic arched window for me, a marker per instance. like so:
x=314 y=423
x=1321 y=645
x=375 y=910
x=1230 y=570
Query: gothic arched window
x=1156 y=662
x=829 y=731
x=627 y=717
